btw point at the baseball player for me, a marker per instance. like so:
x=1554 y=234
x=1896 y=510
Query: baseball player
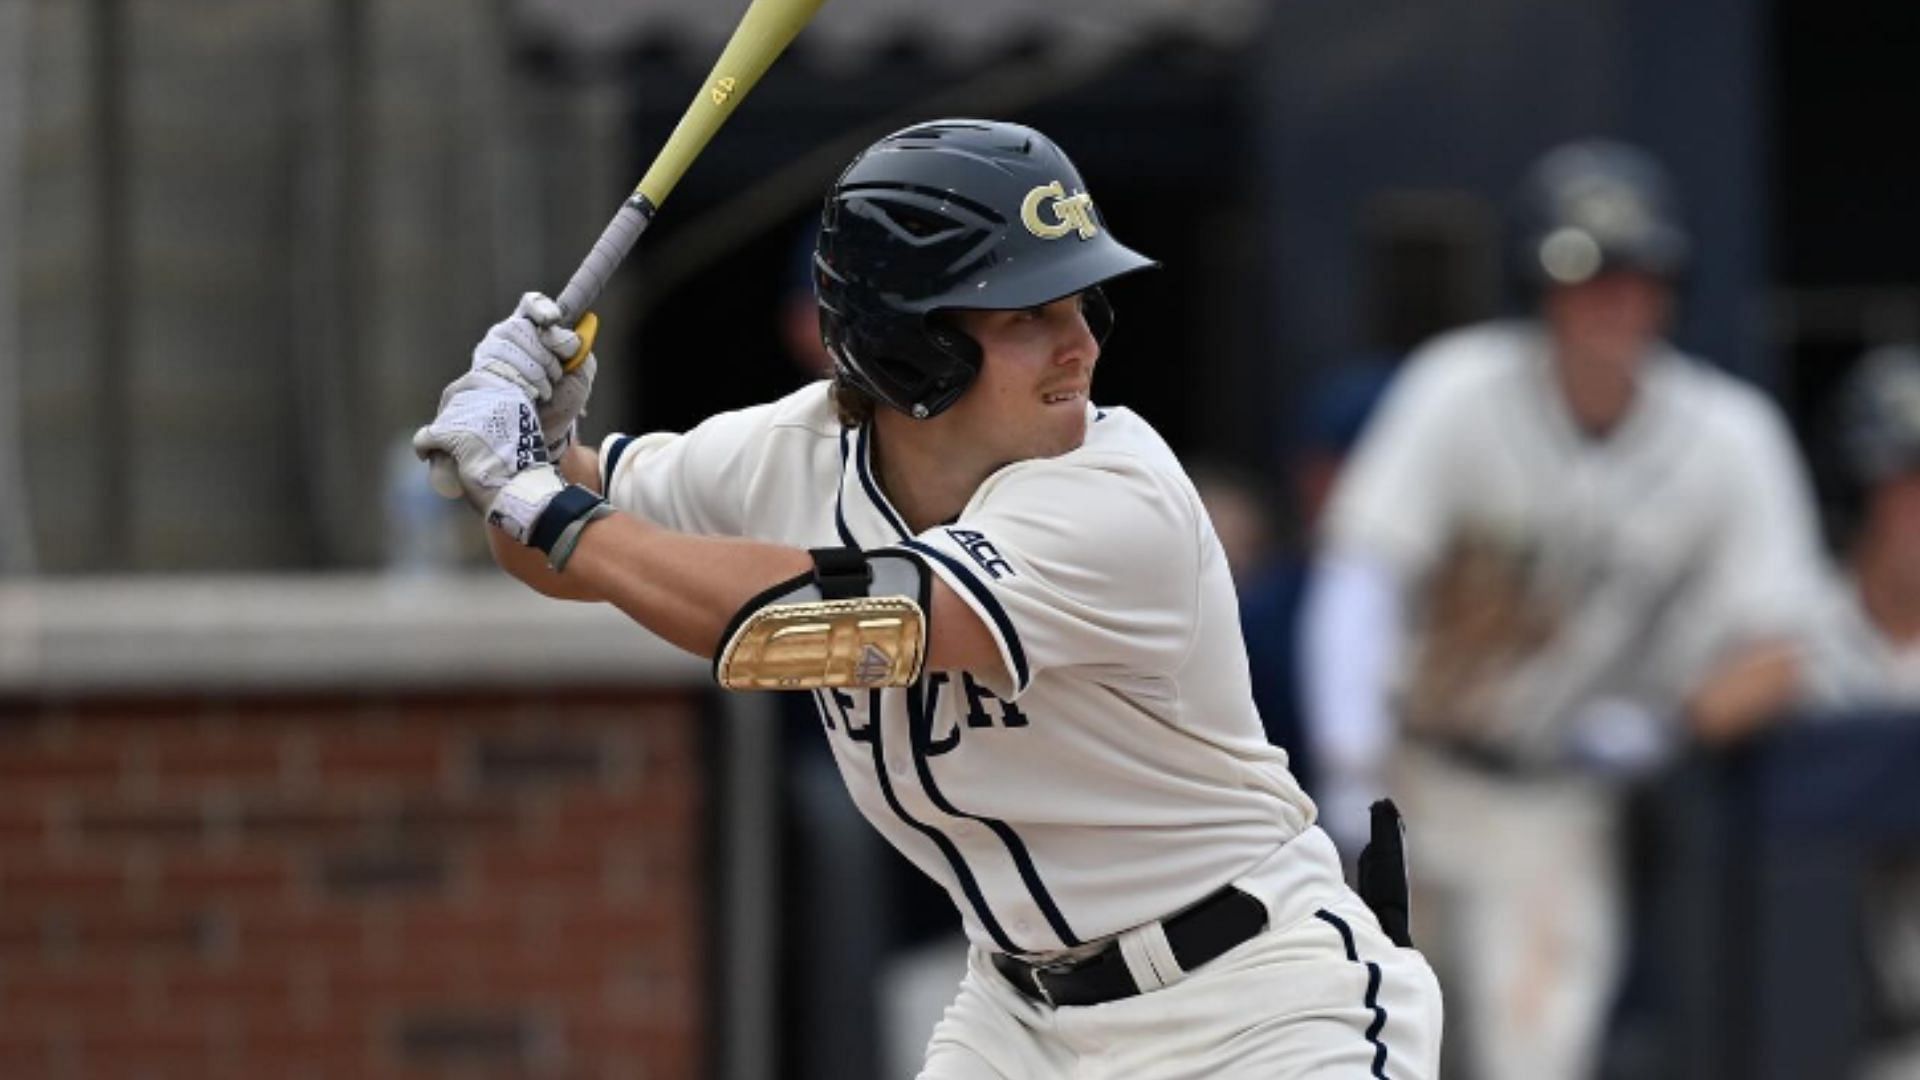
x=1014 y=620
x=1867 y=645
x=1560 y=543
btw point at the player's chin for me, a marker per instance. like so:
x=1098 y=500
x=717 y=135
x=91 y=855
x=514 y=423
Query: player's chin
x=1062 y=434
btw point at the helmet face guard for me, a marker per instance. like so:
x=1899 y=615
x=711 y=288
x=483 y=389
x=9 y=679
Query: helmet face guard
x=950 y=215
x=1594 y=207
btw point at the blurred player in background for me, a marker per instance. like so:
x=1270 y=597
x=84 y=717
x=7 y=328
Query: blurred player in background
x=1561 y=546
x=1868 y=652
x=1070 y=748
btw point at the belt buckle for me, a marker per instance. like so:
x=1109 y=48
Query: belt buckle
x=1041 y=971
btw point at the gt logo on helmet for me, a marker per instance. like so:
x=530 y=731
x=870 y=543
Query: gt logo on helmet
x=1071 y=213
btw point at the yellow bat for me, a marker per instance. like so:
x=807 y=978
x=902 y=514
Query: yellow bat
x=765 y=31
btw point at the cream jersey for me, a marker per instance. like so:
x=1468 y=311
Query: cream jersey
x=1119 y=771
x=1546 y=569
x=1855 y=665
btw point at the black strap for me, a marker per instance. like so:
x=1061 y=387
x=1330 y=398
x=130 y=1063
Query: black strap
x=841 y=573
x=1383 y=874
x=572 y=503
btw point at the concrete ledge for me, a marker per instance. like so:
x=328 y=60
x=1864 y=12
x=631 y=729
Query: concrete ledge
x=67 y=636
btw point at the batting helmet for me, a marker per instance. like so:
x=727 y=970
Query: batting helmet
x=1878 y=421
x=952 y=214
x=1593 y=206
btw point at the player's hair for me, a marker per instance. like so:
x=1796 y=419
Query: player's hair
x=854 y=405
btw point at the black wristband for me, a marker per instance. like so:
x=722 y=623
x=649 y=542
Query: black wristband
x=570 y=505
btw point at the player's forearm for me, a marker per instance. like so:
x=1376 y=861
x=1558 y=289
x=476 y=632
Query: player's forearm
x=683 y=588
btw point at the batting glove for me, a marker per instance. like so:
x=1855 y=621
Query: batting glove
x=561 y=411
x=490 y=430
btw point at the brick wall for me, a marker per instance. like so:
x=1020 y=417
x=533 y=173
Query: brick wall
x=349 y=886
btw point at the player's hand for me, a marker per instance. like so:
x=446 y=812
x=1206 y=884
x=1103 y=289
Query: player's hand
x=561 y=411
x=489 y=428
x=516 y=349
x=1745 y=693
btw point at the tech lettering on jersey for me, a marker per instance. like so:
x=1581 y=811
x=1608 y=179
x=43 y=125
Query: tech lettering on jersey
x=940 y=738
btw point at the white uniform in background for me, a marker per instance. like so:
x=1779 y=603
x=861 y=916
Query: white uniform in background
x=1121 y=777
x=1854 y=664
x=1511 y=616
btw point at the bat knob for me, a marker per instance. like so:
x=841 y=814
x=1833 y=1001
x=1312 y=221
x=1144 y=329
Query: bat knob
x=445 y=476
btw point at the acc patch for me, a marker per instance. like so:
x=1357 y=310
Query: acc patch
x=982 y=551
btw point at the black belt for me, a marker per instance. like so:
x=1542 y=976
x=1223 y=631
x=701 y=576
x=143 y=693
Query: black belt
x=1197 y=935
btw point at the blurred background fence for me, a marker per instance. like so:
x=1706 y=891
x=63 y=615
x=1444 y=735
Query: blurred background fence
x=332 y=818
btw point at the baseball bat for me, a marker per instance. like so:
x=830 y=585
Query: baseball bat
x=765 y=31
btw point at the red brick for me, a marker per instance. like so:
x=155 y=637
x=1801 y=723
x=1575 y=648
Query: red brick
x=87 y=766
x=557 y=866
x=24 y=823
x=265 y=989
x=174 y=1047
x=616 y=928
x=120 y=824
x=434 y=818
x=198 y=760
x=27 y=1052
x=395 y=981
x=40 y=993
x=442 y=930
x=126 y=935
x=277 y=935
x=246 y=876
x=31 y=880
x=668 y=1051
x=303 y=821
x=340 y=1047
x=412 y=757
x=23 y=936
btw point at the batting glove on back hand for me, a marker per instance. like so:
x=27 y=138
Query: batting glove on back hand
x=489 y=428
x=560 y=412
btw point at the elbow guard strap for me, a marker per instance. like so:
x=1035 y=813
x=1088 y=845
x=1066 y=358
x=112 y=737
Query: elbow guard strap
x=858 y=620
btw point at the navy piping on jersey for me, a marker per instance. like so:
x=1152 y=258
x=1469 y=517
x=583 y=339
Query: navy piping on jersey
x=1373 y=992
x=994 y=611
x=839 y=497
x=618 y=450
x=921 y=729
x=965 y=876
x=873 y=490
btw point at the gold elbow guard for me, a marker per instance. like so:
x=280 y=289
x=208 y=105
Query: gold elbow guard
x=859 y=621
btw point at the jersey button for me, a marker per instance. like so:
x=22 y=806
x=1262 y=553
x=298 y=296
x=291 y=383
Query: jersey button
x=896 y=765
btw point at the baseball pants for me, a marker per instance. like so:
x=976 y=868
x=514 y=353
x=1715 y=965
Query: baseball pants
x=1326 y=997
x=1520 y=900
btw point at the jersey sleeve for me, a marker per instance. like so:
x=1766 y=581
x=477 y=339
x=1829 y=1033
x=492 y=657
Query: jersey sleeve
x=1089 y=563
x=693 y=482
x=1763 y=576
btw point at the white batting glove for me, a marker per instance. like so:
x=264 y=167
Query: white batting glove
x=489 y=428
x=560 y=411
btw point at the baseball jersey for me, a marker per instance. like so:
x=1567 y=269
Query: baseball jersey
x=1117 y=770
x=1547 y=568
x=1854 y=664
